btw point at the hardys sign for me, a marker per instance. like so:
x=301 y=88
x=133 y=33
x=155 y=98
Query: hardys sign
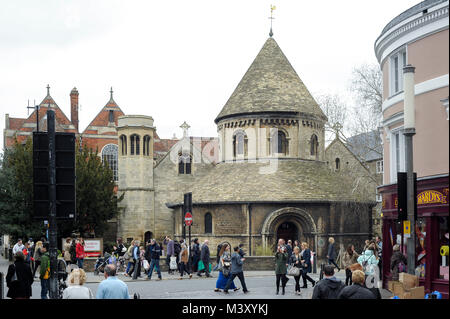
x=424 y=198
x=431 y=197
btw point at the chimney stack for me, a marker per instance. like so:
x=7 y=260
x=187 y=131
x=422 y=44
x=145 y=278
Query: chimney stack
x=74 y=107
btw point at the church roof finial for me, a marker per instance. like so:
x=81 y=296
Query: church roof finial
x=185 y=128
x=48 y=90
x=111 y=91
x=271 y=19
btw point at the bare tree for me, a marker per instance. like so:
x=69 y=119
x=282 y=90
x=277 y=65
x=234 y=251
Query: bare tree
x=366 y=87
x=336 y=111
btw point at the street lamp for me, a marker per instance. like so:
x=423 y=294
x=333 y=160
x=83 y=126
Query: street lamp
x=409 y=131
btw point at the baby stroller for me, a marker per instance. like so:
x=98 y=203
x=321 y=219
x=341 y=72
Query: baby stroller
x=62 y=276
x=102 y=262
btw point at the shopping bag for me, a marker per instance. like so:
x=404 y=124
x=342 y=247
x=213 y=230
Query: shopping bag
x=201 y=266
x=173 y=263
x=146 y=264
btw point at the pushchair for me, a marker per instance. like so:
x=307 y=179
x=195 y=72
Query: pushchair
x=102 y=262
x=62 y=276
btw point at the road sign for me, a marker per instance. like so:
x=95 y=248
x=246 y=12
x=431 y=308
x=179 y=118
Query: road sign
x=188 y=219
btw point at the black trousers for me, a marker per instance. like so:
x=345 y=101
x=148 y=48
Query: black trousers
x=306 y=277
x=297 y=282
x=241 y=279
x=332 y=262
x=183 y=268
x=348 y=277
x=283 y=279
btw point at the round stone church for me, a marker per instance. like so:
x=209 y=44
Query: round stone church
x=264 y=177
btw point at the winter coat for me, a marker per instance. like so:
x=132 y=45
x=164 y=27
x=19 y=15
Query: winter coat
x=155 y=251
x=170 y=248
x=22 y=287
x=289 y=250
x=67 y=256
x=204 y=255
x=328 y=288
x=349 y=260
x=356 y=291
x=236 y=263
x=281 y=259
x=306 y=256
x=331 y=252
x=45 y=263
x=130 y=253
x=372 y=262
x=293 y=259
x=396 y=258
x=80 y=251
x=184 y=256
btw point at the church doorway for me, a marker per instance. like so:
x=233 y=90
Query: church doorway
x=287 y=231
x=147 y=236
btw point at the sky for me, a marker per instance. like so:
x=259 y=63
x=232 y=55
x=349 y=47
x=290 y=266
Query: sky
x=175 y=60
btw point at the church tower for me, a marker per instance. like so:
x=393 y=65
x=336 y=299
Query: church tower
x=271 y=114
x=135 y=134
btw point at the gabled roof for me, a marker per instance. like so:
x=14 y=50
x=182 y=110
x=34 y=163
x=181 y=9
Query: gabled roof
x=366 y=146
x=270 y=85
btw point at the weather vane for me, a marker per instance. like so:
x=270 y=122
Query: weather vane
x=271 y=19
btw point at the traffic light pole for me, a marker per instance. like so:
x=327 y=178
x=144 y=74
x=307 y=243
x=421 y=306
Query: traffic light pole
x=52 y=205
x=411 y=243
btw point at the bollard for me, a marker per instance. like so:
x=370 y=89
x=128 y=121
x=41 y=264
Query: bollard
x=2 y=286
x=314 y=264
x=10 y=255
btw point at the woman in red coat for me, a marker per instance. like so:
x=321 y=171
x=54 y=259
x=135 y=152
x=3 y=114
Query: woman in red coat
x=80 y=252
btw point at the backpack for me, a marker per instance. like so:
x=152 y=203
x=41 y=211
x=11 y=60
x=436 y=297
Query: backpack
x=176 y=248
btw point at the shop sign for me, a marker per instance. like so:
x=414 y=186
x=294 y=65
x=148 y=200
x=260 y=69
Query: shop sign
x=431 y=197
x=92 y=247
x=406 y=228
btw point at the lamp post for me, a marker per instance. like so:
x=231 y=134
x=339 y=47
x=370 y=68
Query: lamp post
x=409 y=132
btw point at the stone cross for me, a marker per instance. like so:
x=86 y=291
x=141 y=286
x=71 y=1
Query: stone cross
x=185 y=128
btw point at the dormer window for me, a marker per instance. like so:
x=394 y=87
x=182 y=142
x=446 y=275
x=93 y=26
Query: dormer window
x=111 y=116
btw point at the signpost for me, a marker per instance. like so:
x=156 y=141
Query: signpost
x=188 y=219
x=187 y=209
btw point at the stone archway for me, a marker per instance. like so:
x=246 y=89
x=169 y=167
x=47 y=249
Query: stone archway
x=298 y=218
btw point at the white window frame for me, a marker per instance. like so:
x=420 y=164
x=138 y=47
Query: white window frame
x=401 y=55
x=380 y=164
x=393 y=153
x=110 y=152
x=379 y=198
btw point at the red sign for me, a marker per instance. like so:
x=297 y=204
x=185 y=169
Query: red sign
x=188 y=219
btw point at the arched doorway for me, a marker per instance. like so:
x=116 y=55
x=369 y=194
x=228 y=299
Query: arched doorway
x=147 y=236
x=287 y=231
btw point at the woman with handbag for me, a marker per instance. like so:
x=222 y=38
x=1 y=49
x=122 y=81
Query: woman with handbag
x=295 y=267
x=281 y=259
x=224 y=268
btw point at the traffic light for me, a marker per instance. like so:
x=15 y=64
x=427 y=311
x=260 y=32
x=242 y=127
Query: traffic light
x=65 y=175
x=402 y=206
x=187 y=206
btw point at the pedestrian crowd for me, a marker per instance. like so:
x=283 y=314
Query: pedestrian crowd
x=362 y=270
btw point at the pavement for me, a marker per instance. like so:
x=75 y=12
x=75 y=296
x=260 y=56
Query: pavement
x=260 y=283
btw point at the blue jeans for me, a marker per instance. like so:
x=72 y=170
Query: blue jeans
x=80 y=262
x=45 y=286
x=154 y=263
x=130 y=263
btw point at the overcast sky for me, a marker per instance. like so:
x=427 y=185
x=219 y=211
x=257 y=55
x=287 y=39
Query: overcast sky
x=175 y=60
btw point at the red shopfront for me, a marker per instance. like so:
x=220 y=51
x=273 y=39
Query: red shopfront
x=431 y=231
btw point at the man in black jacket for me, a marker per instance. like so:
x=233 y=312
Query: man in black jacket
x=329 y=287
x=205 y=256
x=153 y=252
x=357 y=290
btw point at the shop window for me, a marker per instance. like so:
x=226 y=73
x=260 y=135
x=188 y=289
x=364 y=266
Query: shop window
x=443 y=248
x=420 y=247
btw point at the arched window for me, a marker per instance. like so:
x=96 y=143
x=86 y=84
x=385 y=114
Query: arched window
x=134 y=144
x=109 y=156
x=184 y=163
x=338 y=163
x=279 y=143
x=314 y=145
x=208 y=223
x=240 y=144
x=123 y=143
x=146 y=146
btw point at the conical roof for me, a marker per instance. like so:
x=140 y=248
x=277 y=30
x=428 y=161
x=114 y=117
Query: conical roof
x=270 y=85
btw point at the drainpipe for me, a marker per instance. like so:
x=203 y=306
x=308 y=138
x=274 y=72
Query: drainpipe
x=249 y=208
